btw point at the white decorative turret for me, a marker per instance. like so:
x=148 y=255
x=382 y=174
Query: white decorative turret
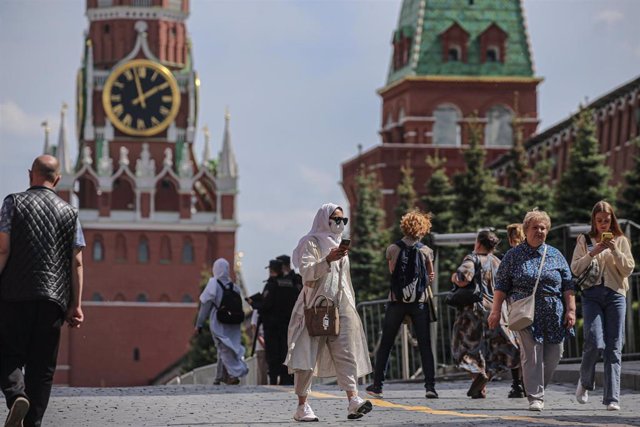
x=47 y=130
x=145 y=165
x=227 y=166
x=168 y=158
x=105 y=163
x=86 y=156
x=63 y=147
x=185 y=168
x=206 y=153
x=124 y=157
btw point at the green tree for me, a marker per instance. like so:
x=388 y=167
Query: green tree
x=476 y=202
x=586 y=180
x=407 y=200
x=202 y=351
x=368 y=265
x=629 y=203
x=439 y=198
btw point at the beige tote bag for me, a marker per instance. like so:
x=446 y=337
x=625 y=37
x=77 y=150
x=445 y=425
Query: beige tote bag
x=521 y=312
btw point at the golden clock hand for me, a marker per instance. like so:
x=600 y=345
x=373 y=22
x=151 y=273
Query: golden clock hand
x=150 y=92
x=139 y=89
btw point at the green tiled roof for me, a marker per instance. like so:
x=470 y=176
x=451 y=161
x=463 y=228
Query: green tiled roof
x=425 y=20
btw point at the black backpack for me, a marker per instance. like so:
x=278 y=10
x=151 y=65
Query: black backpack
x=230 y=310
x=409 y=277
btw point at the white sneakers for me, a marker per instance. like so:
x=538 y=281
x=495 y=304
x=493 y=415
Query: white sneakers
x=358 y=407
x=536 y=405
x=304 y=413
x=613 y=406
x=582 y=394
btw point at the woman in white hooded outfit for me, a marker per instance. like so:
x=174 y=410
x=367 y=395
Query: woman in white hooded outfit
x=226 y=337
x=325 y=271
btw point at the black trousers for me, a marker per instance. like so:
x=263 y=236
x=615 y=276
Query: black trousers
x=395 y=313
x=29 y=339
x=275 y=342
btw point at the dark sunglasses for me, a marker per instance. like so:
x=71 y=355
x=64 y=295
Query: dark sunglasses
x=339 y=219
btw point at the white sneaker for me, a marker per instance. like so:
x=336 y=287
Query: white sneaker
x=358 y=407
x=582 y=394
x=613 y=406
x=304 y=413
x=536 y=406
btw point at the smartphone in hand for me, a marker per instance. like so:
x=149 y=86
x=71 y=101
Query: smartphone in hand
x=607 y=235
x=344 y=244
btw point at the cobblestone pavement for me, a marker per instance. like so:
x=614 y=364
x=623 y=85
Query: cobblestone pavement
x=404 y=405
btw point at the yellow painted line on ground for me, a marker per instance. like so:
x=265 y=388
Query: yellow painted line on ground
x=425 y=409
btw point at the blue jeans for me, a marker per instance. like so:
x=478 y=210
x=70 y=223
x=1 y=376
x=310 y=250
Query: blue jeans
x=395 y=313
x=603 y=310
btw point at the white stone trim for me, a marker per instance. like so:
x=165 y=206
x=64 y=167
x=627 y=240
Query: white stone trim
x=131 y=13
x=187 y=226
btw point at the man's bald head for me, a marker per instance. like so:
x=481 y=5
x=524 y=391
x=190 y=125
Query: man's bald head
x=45 y=170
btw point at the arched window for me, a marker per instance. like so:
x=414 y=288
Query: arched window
x=187 y=298
x=165 y=250
x=493 y=54
x=143 y=250
x=165 y=298
x=96 y=297
x=446 y=129
x=142 y=298
x=121 y=248
x=119 y=297
x=454 y=53
x=98 y=249
x=498 y=131
x=187 y=251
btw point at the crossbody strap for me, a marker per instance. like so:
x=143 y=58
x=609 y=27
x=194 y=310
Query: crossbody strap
x=544 y=255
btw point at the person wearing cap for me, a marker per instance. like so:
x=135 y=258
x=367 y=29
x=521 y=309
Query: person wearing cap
x=288 y=272
x=279 y=297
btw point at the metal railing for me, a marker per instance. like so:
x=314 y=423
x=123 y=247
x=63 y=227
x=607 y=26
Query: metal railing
x=404 y=361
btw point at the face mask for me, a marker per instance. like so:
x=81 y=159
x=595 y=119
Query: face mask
x=336 y=228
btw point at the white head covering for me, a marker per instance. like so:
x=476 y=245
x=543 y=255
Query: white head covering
x=322 y=233
x=220 y=272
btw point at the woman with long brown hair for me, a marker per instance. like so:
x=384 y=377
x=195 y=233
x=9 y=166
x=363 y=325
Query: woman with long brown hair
x=603 y=304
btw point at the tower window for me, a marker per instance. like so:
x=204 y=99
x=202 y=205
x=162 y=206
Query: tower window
x=454 y=54
x=98 y=250
x=187 y=252
x=106 y=28
x=493 y=54
x=446 y=129
x=498 y=131
x=143 y=250
x=136 y=354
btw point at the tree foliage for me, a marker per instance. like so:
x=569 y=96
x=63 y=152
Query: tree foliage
x=407 y=200
x=439 y=198
x=476 y=202
x=586 y=180
x=368 y=265
x=629 y=203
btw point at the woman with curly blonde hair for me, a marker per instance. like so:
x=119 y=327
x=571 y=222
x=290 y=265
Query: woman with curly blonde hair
x=411 y=267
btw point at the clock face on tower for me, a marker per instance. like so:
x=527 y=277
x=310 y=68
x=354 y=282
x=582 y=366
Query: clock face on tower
x=141 y=97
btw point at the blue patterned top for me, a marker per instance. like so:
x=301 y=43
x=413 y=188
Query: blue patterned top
x=517 y=276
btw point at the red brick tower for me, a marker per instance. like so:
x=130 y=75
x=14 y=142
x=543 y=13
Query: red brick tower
x=153 y=217
x=452 y=60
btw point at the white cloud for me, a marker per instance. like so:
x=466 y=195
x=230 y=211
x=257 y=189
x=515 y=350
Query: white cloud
x=609 y=16
x=15 y=121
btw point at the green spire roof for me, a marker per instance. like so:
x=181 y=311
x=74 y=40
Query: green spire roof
x=423 y=21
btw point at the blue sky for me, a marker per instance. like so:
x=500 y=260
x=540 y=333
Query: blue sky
x=300 y=79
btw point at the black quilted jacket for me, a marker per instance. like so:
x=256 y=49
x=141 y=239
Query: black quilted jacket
x=43 y=230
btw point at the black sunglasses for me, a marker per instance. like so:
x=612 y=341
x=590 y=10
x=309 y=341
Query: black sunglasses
x=339 y=219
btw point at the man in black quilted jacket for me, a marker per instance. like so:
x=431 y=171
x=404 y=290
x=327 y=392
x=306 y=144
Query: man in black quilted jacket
x=41 y=244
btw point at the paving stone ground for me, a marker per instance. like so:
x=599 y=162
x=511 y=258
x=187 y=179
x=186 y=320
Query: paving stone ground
x=404 y=405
